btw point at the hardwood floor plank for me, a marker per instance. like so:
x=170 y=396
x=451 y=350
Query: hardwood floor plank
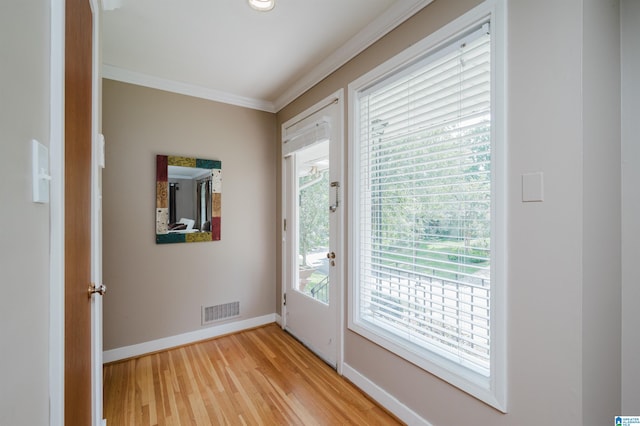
x=257 y=377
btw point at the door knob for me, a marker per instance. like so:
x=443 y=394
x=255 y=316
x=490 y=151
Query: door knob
x=332 y=256
x=100 y=289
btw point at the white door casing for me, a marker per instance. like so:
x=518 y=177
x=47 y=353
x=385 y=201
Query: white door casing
x=56 y=212
x=97 y=164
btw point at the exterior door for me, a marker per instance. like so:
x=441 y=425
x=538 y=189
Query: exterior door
x=77 y=207
x=313 y=255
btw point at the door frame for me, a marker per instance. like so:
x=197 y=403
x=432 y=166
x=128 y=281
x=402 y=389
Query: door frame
x=56 y=213
x=337 y=97
x=56 y=203
x=97 y=163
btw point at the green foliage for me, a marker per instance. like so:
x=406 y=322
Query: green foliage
x=431 y=197
x=313 y=212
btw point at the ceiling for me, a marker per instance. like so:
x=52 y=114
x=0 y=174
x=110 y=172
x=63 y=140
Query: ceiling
x=225 y=51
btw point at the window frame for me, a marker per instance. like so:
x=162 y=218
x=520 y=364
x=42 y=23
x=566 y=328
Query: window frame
x=491 y=389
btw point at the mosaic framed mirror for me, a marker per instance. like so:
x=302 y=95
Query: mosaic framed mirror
x=188 y=199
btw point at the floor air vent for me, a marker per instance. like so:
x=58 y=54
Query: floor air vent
x=220 y=312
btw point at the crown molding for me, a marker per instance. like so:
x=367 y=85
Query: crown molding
x=126 y=76
x=385 y=23
x=394 y=16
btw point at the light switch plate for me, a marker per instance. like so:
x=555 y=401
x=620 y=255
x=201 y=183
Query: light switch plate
x=532 y=187
x=40 y=171
x=101 y=158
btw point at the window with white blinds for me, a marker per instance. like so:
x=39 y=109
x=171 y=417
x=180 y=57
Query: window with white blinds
x=423 y=204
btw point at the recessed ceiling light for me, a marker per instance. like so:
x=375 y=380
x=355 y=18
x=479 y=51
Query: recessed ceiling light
x=262 y=5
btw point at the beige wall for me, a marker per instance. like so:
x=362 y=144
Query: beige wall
x=156 y=291
x=24 y=234
x=630 y=22
x=552 y=356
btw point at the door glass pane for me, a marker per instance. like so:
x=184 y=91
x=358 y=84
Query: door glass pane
x=313 y=221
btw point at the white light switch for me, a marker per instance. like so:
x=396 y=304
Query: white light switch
x=101 y=158
x=532 y=187
x=41 y=177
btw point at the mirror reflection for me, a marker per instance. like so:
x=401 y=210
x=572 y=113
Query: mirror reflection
x=188 y=199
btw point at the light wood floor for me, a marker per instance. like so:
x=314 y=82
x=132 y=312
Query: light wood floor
x=257 y=377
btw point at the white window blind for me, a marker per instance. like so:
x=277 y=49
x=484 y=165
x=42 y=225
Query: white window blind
x=423 y=248
x=316 y=132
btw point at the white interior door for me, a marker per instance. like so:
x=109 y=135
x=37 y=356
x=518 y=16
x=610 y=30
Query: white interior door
x=312 y=177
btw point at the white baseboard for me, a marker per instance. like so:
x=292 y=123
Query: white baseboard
x=184 y=339
x=279 y=319
x=383 y=398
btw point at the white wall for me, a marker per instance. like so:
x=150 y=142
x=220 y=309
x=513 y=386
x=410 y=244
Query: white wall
x=24 y=230
x=630 y=43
